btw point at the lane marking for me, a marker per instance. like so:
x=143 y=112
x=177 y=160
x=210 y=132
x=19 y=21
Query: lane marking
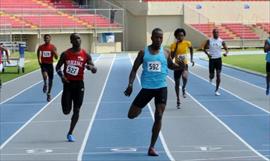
x=79 y=158
x=244 y=100
x=227 y=127
x=163 y=142
x=32 y=118
x=20 y=92
x=227 y=75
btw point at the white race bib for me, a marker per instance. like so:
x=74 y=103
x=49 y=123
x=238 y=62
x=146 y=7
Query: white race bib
x=154 y=66
x=72 y=70
x=46 y=54
x=181 y=57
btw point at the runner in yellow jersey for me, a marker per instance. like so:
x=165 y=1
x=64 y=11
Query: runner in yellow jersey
x=180 y=49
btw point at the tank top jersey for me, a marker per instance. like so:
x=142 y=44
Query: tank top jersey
x=154 y=70
x=267 y=56
x=74 y=64
x=1 y=55
x=46 y=53
x=215 y=48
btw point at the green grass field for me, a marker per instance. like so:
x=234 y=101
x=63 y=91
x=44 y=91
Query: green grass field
x=30 y=65
x=251 y=62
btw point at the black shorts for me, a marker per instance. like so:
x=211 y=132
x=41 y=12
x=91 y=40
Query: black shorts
x=145 y=96
x=215 y=64
x=73 y=92
x=177 y=73
x=47 y=68
x=267 y=67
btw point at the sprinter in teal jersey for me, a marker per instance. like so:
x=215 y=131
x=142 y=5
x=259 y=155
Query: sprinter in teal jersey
x=155 y=62
x=267 y=58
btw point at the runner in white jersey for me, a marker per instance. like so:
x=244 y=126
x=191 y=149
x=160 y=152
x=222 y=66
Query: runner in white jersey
x=213 y=49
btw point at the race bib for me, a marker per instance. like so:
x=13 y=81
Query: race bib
x=72 y=70
x=154 y=66
x=182 y=57
x=46 y=54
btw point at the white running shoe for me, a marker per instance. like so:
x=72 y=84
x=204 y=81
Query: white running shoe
x=217 y=93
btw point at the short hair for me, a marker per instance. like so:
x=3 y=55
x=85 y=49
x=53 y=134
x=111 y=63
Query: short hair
x=177 y=31
x=72 y=35
x=156 y=30
x=46 y=35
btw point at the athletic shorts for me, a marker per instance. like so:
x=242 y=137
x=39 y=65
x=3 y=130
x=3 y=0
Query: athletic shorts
x=267 y=67
x=73 y=93
x=47 y=68
x=177 y=73
x=145 y=96
x=215 y=64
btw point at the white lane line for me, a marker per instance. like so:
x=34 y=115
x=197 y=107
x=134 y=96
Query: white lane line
x=32 y=118
x=29 y=86
x=28 y=122
x=250 y=84
x=20 y=92
x=79 y=158
x=244 y=100
x=21 y=77
x=163 y=142
x=227 y=127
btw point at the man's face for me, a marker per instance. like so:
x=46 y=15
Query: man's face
x=76 y=40
x=47 y=39
x=215 y=33
x=157 y=38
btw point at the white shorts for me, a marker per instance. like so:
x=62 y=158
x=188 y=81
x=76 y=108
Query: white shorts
x=1 y=67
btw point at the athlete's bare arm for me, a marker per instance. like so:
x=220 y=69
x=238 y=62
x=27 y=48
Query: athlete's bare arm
x=266 y=46
x=191 y=55
x=206 y=47
x=138 y=61
x=225 y=48
x=55 y=53
x=90 y=64
x=171 y=64
x=58 y=68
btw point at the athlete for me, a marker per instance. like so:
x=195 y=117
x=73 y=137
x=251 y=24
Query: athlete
x=213 y=49
x=267 y=58
x=180 y=49
x=2 y=51
x=45 y=54
x=155 y=62
x=75 y=60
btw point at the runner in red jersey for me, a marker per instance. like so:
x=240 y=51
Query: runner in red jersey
x=75 y=60
x=45 y=53
x=2 y=50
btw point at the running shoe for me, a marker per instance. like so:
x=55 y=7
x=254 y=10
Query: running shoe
x=184 y=92
x=44 y=88
x=70 y=138
x=217 y=93
x=152 y=152
x=49 y=97
x=178 y=104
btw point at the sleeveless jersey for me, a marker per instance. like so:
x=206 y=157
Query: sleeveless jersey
x=74 y=64
x=267 y=56
x=215 y=48
x=47 y=53
x=155 y=70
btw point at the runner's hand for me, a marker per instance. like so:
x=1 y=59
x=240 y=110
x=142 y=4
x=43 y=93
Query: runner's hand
x=65 y=80
x=225 y=54
x=193 y=63
x=128 y=91
x=94 y=69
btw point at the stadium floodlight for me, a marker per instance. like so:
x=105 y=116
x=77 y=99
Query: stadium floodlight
x=198 y=6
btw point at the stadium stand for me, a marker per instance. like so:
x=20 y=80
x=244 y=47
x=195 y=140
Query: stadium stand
x=264 y=26
x=240 y=30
